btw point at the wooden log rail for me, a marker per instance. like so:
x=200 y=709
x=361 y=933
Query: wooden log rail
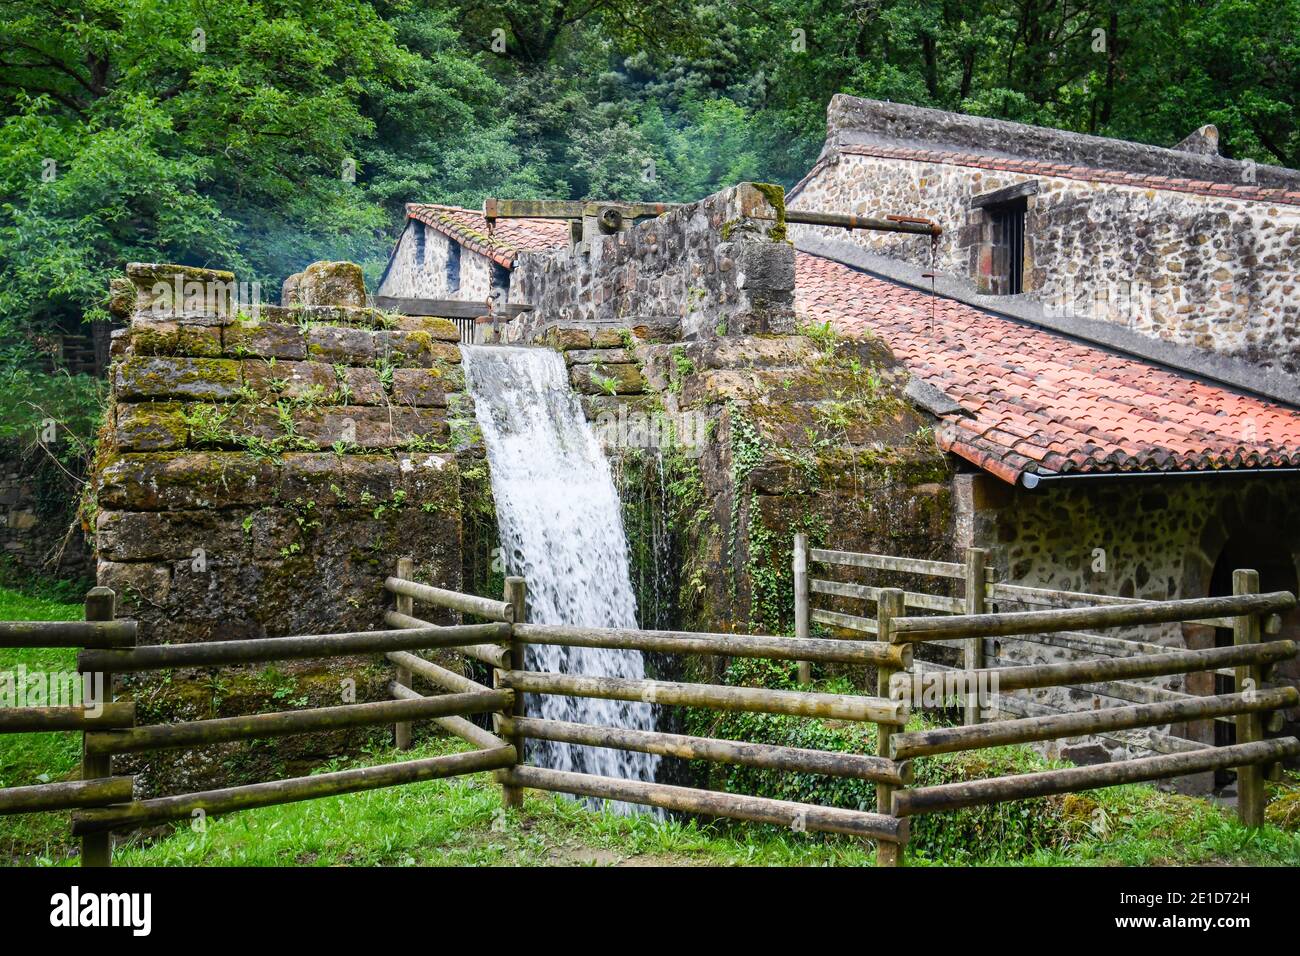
x=863 y=592
x=728 y=645
x=67 y=634
x=457 y=726
x=797 y=816
x=886 y=562
x=466 y=603
x=199 y=733
x=1151 y=665
x=734 y=752
x=906 y=746
x=1126 y=615
x=143 y=813
x=795 y=703
x=491 y=654
x=67 y=795
x=160 y=656
x=25 y=720
x=953 y=796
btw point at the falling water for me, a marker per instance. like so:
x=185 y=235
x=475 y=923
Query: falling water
x=561 y=529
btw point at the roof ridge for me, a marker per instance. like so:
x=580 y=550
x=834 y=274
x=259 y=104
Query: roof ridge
x=1200 y=187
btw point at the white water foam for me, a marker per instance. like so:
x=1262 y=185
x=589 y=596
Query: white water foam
x=561 y=529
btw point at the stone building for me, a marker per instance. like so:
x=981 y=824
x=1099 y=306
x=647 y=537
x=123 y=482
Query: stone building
x=874 y=391
x=445 y=252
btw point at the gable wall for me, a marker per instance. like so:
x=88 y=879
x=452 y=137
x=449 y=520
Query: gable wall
x=410 y=277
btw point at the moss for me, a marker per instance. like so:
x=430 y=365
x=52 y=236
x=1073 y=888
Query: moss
x=1284 y=806
x=775 y=196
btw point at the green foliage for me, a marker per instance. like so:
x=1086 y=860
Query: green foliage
x=271 y=133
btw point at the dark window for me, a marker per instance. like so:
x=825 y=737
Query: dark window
x=1008 y=222
x=419 y=228
x=501 y=281
x=1005 y=236
x=453 y=266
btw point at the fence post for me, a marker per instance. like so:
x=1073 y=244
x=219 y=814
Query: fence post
x=1251 y=794
x=516 y=594
x=405 y=605
x=889 y=606
x=801 y=600
x=975 y=564
x=97 y=848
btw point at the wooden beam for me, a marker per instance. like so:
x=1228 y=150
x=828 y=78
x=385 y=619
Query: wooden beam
x=441 y=597
x=25 y=720
x=1082 y=618
x=492 y=655
x=942 y=740
x=142 y=813
x=737 y=752
x=199 y=733
x=402 y=735
x=953 y=796
x=107 y=633
x=44 y=797
x=796 y=816
x=255 y=650
x=819 y=649
x=448 y=308
x=717 y=697
x=1252 y=798
x=457 y=726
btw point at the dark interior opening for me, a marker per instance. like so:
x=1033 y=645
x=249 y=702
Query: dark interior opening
x=1008 y=220
x=1276 y=573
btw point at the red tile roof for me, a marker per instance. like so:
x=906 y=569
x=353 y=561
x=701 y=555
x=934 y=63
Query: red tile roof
x=1060 y=170
x=503 y=242
x=1040 y=402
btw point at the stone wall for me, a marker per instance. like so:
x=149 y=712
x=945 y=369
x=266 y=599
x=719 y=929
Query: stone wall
x=260 y=476
x=419 y=268
x=853 y=120
x=1163 y=539
x=39 y=531
x=1217 y=274
x=718 y=266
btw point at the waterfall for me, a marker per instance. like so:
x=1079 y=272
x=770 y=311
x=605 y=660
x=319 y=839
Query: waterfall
x=561 y=529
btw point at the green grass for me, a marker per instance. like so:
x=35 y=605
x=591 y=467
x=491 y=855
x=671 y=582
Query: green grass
x=461 y=822
x=37 y=758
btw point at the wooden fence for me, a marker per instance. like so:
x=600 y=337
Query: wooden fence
x=104 y=803
x=1114 y=664
x=889 y=831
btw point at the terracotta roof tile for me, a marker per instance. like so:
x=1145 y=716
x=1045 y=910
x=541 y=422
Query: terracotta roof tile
x=1043 y=402
x=503 y=242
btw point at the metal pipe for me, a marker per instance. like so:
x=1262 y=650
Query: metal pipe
x=908 y=224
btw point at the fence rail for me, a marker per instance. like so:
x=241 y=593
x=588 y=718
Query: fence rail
x=1114 y=664
x=103 y=803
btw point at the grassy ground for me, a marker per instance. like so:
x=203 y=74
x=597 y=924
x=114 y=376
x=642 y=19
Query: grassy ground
x=460 y=822
x=36 y=758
